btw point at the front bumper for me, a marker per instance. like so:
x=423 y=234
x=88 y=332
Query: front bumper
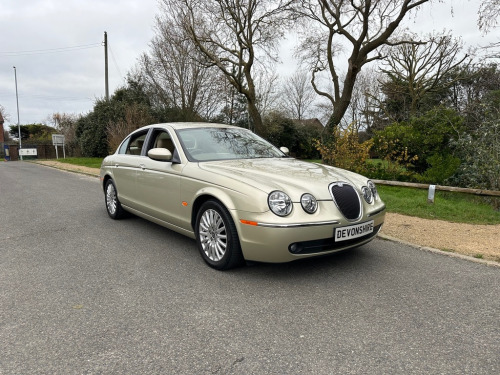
x=263 y=238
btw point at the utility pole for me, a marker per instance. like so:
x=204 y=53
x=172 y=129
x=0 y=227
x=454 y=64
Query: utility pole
x=18 y=124
x=106 y=82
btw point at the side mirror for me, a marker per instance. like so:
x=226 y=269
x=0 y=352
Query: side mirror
x=285 y=150
x=160 y=154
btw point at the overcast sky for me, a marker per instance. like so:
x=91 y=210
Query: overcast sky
x=56 y=47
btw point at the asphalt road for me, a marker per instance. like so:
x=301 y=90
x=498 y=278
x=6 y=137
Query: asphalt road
x=83 y=294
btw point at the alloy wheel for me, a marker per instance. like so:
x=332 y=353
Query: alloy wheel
x=213 y=235
x=111 y=200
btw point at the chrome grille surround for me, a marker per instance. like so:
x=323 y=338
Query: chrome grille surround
x=347 y=200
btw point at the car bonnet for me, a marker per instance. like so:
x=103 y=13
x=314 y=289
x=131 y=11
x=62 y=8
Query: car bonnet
x=292 y=176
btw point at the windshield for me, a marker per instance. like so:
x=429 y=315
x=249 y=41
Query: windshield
x=208 y=144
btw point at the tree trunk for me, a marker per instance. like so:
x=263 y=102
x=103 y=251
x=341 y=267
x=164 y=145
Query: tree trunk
x=342 y=103
x=254 y=113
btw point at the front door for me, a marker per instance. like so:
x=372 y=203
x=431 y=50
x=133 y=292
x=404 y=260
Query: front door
x=159 y=182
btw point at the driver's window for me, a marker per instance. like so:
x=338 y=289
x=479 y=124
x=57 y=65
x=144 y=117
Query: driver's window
x=163 y=140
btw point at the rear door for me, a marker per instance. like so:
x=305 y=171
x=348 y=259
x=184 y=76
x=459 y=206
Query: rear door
x=127 y=163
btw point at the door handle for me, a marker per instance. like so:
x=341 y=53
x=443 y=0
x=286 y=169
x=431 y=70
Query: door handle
x=143 y=167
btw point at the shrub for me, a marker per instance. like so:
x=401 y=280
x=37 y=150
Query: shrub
x=283 y=131
x=397 y=162
x=423 y=146
x=345 y=151
x=91 y=129
x=481 y=158
x=441 y=167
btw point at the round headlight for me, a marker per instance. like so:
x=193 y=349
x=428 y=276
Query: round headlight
x=367 y=194
x=280 y=203
x=309 y=203
x=373 y=188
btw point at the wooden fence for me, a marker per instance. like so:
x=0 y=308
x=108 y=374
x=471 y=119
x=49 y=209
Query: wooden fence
x=490 y=193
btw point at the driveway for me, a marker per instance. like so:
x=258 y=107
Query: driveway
x=83 y=294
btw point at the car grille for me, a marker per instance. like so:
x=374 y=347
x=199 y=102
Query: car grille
x=346 y=199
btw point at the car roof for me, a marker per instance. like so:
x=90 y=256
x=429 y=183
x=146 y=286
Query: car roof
x=186 y=125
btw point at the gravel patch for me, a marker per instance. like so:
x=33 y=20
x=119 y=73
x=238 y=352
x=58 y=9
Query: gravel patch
x=479 y=241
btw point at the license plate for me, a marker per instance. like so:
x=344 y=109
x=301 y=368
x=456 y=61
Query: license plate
x=353 y=231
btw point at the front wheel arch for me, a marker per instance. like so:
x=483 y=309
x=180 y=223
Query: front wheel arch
x=104 y=181
x=216 y=236
x=200 y=200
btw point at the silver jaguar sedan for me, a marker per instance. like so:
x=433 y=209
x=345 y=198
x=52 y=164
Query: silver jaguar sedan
x=240 y=197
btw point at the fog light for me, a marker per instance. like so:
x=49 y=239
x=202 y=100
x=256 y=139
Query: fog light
x=295 y=248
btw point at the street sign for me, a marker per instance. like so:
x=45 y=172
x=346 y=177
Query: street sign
x=57 y=140
x=28 y=152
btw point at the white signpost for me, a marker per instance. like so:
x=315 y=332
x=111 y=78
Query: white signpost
x=58 y=140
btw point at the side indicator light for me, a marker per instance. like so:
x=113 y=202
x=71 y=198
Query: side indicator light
x=248 y=222
x=185 y=204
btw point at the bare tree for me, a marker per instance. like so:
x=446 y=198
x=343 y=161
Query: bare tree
x=235 y=111
x=66 y=125
x=298 y=95
x=360 y=28
x=489 y=12
x=4 y=114
x=173 y=74
x=418 y=70
x=135 y=116
x=233 y=35
x=266 y=84
x=364 y=101
x=488 y=18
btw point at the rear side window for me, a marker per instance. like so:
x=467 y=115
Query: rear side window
x=134 y=144
x=123 y=147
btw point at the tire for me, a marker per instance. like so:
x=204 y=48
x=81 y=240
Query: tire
x=216 y=236
x=113 y=206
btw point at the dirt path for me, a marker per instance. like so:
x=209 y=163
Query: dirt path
x=479 y=241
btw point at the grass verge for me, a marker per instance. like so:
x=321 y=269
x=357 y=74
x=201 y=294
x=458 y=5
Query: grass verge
x=85 y=162
x=449 y=206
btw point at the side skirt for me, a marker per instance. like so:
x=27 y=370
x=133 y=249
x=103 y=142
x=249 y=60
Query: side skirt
x=175 y=228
